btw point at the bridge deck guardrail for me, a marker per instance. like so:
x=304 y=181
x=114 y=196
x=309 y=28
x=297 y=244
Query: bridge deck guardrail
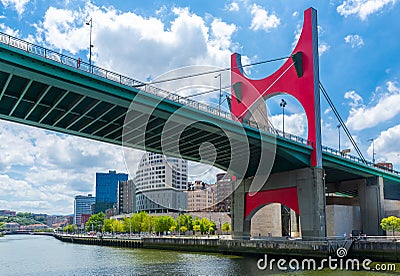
x=145 y=87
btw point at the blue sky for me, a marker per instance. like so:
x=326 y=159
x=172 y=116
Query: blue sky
x=359 y=67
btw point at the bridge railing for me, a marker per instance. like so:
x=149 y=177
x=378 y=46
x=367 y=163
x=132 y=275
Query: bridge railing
x=356 y=159
x=124 y=80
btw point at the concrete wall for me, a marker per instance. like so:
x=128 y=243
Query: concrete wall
x=392 y=208
x=267 y=220
x=342 y=219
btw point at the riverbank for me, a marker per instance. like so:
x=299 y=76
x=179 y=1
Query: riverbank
x=383 y=250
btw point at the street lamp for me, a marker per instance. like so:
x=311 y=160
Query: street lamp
x=220 y=92
x=90 y=23
x=373 y=149
x=283 y=104
x=338 y=128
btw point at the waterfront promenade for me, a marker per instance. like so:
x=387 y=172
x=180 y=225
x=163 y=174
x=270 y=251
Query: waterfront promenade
x=383 y=249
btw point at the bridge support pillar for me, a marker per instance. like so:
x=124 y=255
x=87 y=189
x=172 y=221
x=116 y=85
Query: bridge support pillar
x=241 y=226
x=372 y=208
x=311 y=196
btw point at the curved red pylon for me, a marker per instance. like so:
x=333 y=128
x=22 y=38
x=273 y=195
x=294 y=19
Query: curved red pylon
x=303 y=83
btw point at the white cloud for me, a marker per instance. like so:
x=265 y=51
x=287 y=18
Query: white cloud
x=323 y=47
x=232 y=7
x=356 y=100
x=43 y=166
x=262 y=20
x=387 y=107
x=295 y=14
x=362 y=8
x=7 y=30
x=294 y=123
x=150 y=47
x=355 y=41
x=18 y=5
x=387 y=146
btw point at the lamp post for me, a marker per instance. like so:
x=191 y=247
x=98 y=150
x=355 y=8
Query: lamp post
x=90 y=23
x=220 y=92
x=338 y=128
x=283 y=104
x=373 y=149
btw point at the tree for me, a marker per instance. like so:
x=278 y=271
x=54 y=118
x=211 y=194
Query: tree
x=70 y=228
x=95 y=222
x=107 y=226
x=196 y=228
x=2 y=226
x=185 y=220
x=164 y=223
x=183 y=229
x=391 y=223
x=226 y=227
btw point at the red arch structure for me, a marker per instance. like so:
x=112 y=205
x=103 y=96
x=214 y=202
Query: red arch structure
x=299 y=77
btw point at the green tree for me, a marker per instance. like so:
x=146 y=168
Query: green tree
x=2 y=226
x=183 y=229
x=185 y=220
x=117 y=226
x=205 y=225
x=72 y=228
x=226 y=227
x=163 y=223
x=107 y=226
x=95 y=222
x=391 y=223
x=196 y=228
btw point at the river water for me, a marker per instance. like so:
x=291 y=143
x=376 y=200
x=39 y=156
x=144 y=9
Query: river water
x=44 y=255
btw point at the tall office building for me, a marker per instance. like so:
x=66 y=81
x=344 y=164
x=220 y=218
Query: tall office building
x=160 y=183
x=126 y=201
x=107 y=190
x=83 y=205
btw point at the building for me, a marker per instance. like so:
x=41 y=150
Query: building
x=160 y=183
x=83 y=205
x=224 y=188
x=8 y=213
x=200 y=196
x=107 y=190
x=126 y=201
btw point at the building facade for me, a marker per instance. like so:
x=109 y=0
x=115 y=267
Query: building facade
x=160 y=183
x=107 y=190
x=126 y=201
x=224 y=188
x=200 y=196
x=83 y=205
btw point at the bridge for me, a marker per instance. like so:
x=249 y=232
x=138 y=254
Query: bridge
x=42 y=88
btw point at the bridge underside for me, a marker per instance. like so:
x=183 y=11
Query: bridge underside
x=61 y=98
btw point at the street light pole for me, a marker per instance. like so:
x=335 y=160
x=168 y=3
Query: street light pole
x=283 y=104
x=220 y=92
x=338 y=128
x=373 y=149
x=90 y=23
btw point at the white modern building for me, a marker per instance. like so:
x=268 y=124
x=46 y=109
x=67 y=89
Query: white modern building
x=83 y=205
x=160 y=183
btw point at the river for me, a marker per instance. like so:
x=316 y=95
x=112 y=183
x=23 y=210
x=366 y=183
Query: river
x=44 y=255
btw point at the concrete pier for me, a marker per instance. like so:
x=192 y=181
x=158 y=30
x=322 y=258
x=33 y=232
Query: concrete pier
x=376 y=250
